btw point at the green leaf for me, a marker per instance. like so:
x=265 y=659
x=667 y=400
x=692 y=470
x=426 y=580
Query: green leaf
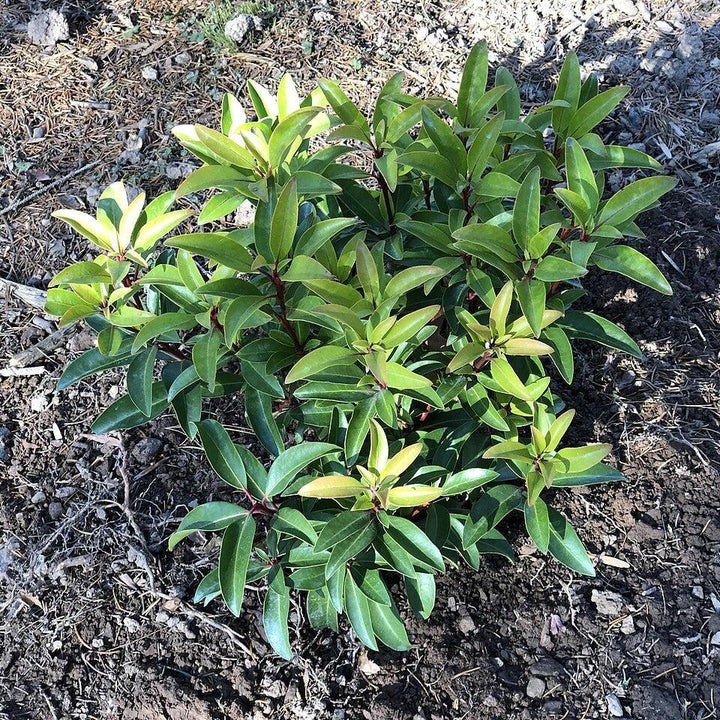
x=276 y=609
x=292 y=522
x=568 y=89
x=564 y=545
x=91 y=362
x=483 y=145
x=578 y=459
x=217 y=247
x=320 y=610
x=345 y=524
x=222 y=453
x=167 y=322
x=358 y=612
x=467 y=480
x=348 y=548
x=82 y=273
x=415 y=542
x=409 y=326
x=400 y=378
x=209 y=517
x=538 y=524
x=447 y=143
x=205 y=357
x=595 y=110
x=531 y=294
x=580 y=178
x=388 y=627
x=284 y=222
x=627 y=261
x=234 y=558
x=288 y=132
x=258 y=408
x=410 y=278
x=633 y=199
x=124 y=414
x=488 y=511
x=257 y=376
x=432 y=164
x=421 y=594
x=318 y=360
x=291 y=461
x=472 y=82
x=320 y=233
x=562 y=357
x=526 y=215
x=504 y=375
x=140 y=380
x=595 y=475
x=588 y=326
x=208 y=588
x=358 y=429
x=553 y=269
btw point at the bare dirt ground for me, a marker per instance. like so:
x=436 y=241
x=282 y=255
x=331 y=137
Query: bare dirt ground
x=96 y=618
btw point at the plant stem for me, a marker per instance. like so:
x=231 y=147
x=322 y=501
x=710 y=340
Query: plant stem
x=279 y=286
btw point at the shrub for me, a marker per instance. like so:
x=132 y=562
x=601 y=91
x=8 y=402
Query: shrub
x=394 y=324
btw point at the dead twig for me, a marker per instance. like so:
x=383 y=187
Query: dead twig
x=50 y=186
x=39 y=350
x=29 y=295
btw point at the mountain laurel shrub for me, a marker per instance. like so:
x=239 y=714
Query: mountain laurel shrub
x=390 y=326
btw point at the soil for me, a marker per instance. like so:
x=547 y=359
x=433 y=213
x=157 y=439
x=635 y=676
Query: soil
x=97 y=619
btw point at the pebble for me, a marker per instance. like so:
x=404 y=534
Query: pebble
x=149 y=73
x=627 y=627
x=664 y=27
x=147 y=449
x=466 y=624
x=698 y=592
x=614 y=707
x=607 y=603
x=553 y=707
x=38 y=133
x=626 y=6
x=65 y=492
x=131 y=625
x=55 y=509
x=535 y=687
x=238 y=27
x=183 y=58
x=38 y=403
x=48 y=28
x=715 y=639
x=5 y=435
x=38 y=498
x=546 y=667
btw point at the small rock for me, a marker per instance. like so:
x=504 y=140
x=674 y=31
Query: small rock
x=238 y=27
x=698 y=592
x=715 y=639
x=55 y=509
x=626 y=6
x=5 y=435
x=627 y=627
x=38 y=403
x=614 y=707
x=175 y=171
x=131 y=625
x=183 y=58
x=38 y=133
x=607 y=603
x=245 y=214
x=535 y=687
x=553 y=707
x=664 y=27
x=147 y=450
x=546 y=667
x=149 y=73
x=65 y=492
x=466 y=625
x=48 y=28
x=38 y=498
x=491 y=701
x=368 y=667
